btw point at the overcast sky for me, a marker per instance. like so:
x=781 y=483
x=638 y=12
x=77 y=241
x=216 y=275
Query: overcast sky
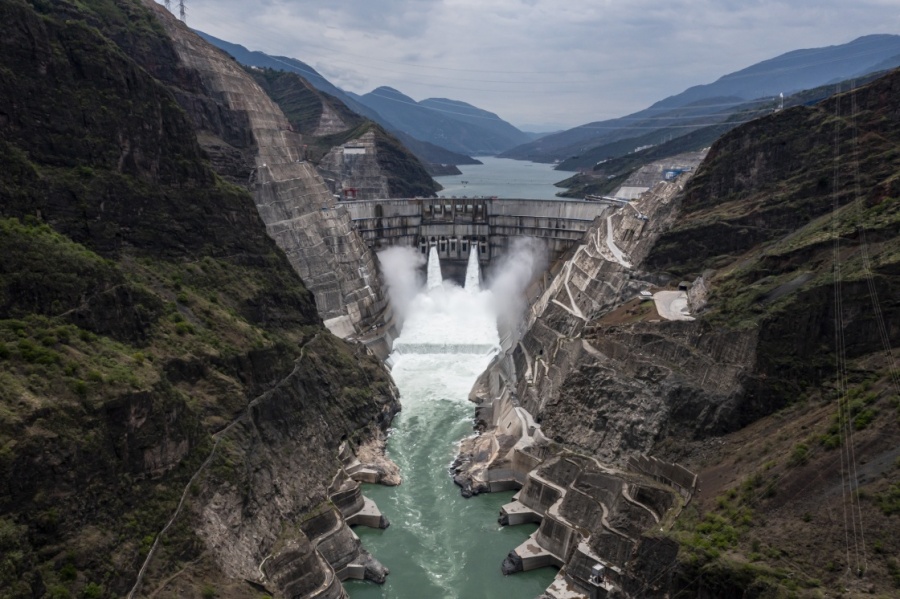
x=540 y=64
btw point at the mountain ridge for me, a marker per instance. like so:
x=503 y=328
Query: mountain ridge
x=765 y=78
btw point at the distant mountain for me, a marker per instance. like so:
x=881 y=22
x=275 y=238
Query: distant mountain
x=451 y=124
x=385 y=169
x=252 y=58
x=439 y=131
x=605 y=167
x=787 y=73
x=431 y=154
x=465 y=112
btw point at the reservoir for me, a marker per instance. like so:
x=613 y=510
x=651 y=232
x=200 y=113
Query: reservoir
x=440 y=545
x=504 y=178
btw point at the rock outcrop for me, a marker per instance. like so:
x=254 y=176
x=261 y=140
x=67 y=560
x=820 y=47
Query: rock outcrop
x=356 y=157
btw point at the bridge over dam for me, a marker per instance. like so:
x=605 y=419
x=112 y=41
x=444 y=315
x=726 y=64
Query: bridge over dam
x=454 y=225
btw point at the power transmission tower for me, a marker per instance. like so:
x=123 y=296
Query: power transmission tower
x=182 y=8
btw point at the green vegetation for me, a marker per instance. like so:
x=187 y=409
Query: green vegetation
x=889 y=501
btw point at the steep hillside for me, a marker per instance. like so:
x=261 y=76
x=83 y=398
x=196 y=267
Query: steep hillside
x=158 y=354
x=253 y=58
x=787 y=73
x=435 y=158
x=389 y=170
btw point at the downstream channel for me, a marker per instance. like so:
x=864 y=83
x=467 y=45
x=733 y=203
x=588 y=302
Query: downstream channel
x=440 y=545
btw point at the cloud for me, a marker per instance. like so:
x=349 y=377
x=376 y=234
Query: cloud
x=540 y=61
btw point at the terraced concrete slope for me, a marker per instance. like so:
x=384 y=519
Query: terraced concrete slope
x=780 y=394
x=300 y=213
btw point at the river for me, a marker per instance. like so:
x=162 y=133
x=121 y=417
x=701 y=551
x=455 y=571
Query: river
x=440 y=545
x=505 y=178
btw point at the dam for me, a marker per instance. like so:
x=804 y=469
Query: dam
x=456 y=225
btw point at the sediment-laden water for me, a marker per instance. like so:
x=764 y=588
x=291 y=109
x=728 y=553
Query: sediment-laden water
x=439 y=544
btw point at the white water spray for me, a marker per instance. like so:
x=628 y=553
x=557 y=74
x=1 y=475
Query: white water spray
x=473 y=272
x=445 y=319
x=400 y=268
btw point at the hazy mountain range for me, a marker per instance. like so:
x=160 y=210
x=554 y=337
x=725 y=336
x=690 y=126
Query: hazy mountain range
x=458 y=130
x=705 y=105
x=432 y=127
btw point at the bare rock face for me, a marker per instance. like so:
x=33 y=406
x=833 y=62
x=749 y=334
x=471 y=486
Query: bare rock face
x=241 y=124
x=355 y=165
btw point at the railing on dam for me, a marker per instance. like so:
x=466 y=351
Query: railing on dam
x=456 y=224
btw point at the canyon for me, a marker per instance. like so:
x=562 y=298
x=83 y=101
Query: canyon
x=192 y=335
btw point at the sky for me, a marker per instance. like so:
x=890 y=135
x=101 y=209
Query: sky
x=543 y=65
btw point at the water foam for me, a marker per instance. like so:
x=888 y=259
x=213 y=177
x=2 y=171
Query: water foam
x=445 y=319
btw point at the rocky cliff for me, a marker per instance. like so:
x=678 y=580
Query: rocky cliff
x=251 y=140
x=172 y=411
x=349 y=151
x=784 y=243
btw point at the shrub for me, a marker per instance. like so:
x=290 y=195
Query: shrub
x=35 y=354
x=864 y=418
x=68 y=572
x=80 y=388
x=92 y=590
x=799 y=455
x=57 y=591
x=889 y=501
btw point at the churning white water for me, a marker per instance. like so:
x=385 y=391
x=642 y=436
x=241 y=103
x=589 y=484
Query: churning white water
x=439 y=544
x=447 y=320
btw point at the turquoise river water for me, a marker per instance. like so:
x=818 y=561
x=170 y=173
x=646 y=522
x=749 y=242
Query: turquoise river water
x=440 y=545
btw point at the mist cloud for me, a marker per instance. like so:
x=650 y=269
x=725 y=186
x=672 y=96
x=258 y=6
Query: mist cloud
x=400 y=271
x=512 y=273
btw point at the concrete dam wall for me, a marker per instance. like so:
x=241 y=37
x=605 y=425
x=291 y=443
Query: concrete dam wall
x=454 y=225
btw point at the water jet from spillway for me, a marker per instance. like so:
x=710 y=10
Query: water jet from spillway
x=445 y=319
x=473 y=272
x=434 y=269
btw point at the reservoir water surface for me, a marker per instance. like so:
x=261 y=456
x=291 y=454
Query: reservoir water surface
x=504 y=178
